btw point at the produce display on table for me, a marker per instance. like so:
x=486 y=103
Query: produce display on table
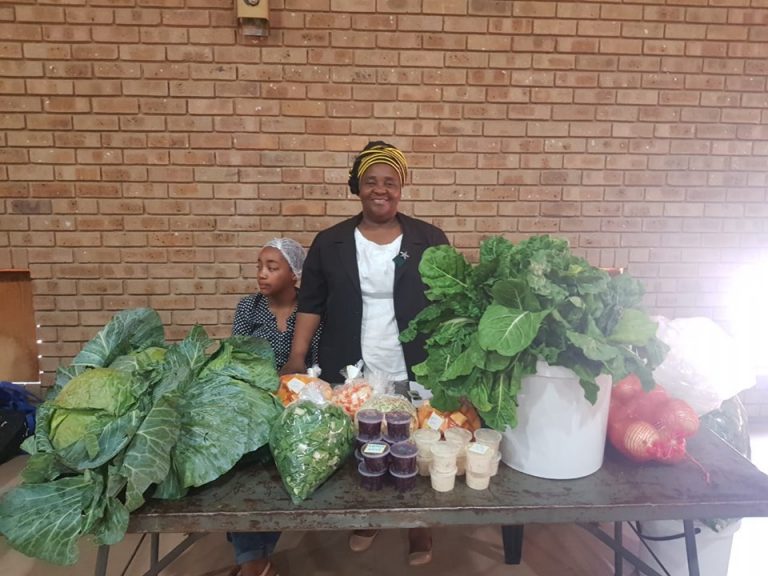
x=651 y=425
x=309 y=442
x=132 y=417
x=488 y=324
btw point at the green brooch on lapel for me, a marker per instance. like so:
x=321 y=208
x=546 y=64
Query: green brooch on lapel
x=400 y=259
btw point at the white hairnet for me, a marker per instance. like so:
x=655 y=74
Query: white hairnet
x=291 y=250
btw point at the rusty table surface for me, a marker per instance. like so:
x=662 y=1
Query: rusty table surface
x=252 y=498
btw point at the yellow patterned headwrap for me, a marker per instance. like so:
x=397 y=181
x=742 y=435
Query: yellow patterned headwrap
x=377 y=153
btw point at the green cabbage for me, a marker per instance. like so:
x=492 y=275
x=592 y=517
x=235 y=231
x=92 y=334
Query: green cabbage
x=131 y=416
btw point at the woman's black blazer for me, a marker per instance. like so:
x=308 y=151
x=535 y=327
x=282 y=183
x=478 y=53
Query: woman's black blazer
x=330 y=287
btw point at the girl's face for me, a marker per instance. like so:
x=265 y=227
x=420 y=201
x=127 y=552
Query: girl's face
x=380 y=191
x=275 y=274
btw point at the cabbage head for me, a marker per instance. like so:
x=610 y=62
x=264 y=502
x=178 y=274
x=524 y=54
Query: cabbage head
x=88 y=403
x=140 y=361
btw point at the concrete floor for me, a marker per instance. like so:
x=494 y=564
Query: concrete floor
x=549 y=550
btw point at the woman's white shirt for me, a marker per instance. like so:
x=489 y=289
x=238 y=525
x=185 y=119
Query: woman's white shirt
x=379 y=335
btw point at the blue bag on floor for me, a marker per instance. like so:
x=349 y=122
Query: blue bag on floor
x=17 y=418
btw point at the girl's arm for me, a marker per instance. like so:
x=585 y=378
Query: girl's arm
x=306 y=325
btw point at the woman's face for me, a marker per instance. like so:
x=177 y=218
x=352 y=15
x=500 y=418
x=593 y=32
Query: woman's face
x=380 y=190
x=275 y=274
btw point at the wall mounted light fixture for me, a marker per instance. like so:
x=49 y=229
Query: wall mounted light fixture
x=253 y=16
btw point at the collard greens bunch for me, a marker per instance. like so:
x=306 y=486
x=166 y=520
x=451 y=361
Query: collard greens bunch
x=131 y=417
x=488 y=324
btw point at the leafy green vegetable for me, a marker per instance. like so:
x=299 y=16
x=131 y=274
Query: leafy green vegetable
x=309 y=442
x=128 y=331
x=45 y=520
x=488 y=324
x=130 y=414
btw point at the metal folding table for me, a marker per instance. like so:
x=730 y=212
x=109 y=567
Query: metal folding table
x=722 y=485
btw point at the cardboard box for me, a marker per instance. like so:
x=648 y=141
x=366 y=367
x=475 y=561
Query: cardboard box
x=18 y=339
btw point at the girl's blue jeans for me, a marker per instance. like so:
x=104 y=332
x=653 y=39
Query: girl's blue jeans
x=251 y=546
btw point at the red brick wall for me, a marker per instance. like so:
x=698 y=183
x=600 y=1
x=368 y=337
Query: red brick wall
x=148 y=151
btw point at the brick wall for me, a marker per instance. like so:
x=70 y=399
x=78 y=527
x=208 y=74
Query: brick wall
x=148 y=150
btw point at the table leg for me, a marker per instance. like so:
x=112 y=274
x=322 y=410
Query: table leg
x=690 y=548
x=626 y=555
x=154 y=549
x=512 y=537
x=177 y=551
x=618 y=558
x=102 y=560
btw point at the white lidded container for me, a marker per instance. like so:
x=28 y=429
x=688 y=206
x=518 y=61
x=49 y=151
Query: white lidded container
x=559 y=434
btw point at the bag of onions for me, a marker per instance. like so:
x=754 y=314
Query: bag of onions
x=646 y=426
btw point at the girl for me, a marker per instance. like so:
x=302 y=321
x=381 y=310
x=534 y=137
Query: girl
x=269 y=314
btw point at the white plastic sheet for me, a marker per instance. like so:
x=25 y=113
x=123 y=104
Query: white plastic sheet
x=705 y=365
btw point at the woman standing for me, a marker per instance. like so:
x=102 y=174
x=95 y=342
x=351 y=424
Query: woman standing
x=270 y=314
x=361 y=279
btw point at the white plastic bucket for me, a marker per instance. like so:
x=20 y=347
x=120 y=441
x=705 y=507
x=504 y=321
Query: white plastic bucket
x=714 y=548
x=559 y=434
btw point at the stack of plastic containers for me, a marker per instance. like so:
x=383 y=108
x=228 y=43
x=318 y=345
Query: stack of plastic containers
x=442 y=470
x=373 y=468
x=479 y=463
x=461 y=437
x=458 y=455
x=371 y=450
x=392 y=452
x=483 y=458
x=402 y=467
x=424 y=439
x=492 y=439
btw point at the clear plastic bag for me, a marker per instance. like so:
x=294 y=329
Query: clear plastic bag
x=432 y=418
x=380 y=382
x=354 y=392
x=309 y=385
x=731 y=424
x=309 y=442
x=704 y=366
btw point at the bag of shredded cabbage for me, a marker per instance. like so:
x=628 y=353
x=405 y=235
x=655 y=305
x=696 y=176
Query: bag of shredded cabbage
x=309 y=442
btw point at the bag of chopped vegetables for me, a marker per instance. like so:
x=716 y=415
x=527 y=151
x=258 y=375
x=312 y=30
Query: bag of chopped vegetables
x=354 y=392
x=309 y=442
x=294 y=386
x=465 y=417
